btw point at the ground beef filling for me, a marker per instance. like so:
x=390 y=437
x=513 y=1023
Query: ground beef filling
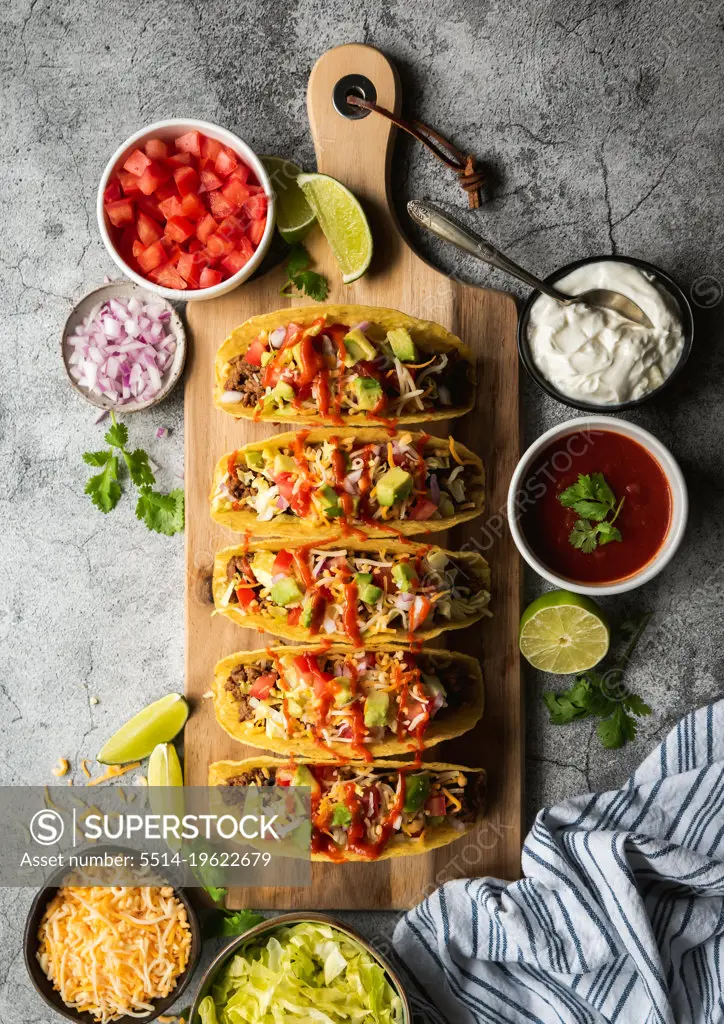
x=473 y=799
x=254 y=777
x=238 y=490
x=239 y=682
x=453 y=677
x=238 y=565
x=246 y=379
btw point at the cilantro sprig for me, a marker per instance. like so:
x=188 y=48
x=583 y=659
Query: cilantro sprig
x=592 y=499
x=162 y=513
x=300 y=279
x=603 y=695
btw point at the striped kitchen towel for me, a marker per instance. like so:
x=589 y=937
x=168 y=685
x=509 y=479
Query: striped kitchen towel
x=619 y=916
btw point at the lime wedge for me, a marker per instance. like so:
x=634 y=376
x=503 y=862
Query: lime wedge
x=164 y=767
x=294 y=216
x=563 y=633
x=157 y=723
x=342 y=220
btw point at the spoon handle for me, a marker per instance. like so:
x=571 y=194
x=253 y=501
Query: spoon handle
x=441 y=224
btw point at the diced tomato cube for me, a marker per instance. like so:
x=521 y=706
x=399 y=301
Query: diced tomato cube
x=220 y=205
x=120 y=212
x=218 y=245
x=173 y=250
x=149 y=205
x=167 y=191
x=284 y=559
x=209 y=181
x=225 y=162
x=284 y=482
x=190 y=266
x=186 y=179
x=262 y=686
x=245 y=248
x=149 y=230
x=195 y=245
x=129 y=183
x=112 y=191
x=189 y=143
x=205 y=228
x=156 y=149
x=241 y=173
x=192 y=207
x=235 y=191
x=154 y=176
x=151 y=257
x=171 y=207
x=210 y=277
x=137 y=248
x=232 y=228
x=179 y=160
x=168 y=277
x=246 y=597
x=136 y=163
x=210 y=148
x=255 y=231
x=179 y=228
x=234 y=262
x=255 y=190
x=255 y=206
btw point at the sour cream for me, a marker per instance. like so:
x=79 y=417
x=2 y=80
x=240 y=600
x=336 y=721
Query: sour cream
x=598 y=357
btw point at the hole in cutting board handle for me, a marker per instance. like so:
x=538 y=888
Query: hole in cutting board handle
x=359 y=85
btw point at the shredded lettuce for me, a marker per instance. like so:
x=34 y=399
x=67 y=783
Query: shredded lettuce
x=310 y=972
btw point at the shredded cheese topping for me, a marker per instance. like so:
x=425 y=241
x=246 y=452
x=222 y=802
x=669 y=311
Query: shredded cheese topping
x=111 y=951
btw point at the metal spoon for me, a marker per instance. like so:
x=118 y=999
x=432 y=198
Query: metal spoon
x=441 y=224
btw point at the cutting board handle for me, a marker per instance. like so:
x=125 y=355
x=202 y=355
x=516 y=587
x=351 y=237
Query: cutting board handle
x=357 y=151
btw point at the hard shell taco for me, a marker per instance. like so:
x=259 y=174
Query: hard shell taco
x=318 y=702
x=376 y=811
x=366 y=593
x=343 y=364
x=310 y=481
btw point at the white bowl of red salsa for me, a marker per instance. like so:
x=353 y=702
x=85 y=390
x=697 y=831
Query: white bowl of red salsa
x=186 y=209
x=642 y=483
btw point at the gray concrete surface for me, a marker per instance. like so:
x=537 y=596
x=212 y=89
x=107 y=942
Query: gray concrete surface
x=601 y=124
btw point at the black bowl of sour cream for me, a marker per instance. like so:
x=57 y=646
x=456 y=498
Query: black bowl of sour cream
x=594 y=360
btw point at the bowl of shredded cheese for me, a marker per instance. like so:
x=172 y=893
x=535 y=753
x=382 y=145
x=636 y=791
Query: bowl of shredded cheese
x=104 y=953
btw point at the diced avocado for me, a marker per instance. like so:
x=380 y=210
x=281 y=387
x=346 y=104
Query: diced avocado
x=417 y=791
x=366 y=591
x=357 y=347
x=266 y=357
x=305 y=619
x=284 y=464
x=303 y=777
x=341 y=816
x=445 y=506
x=404 y=576
x=376 y=705
x=330 y=501
x=255 y=460
x=402 y=345
x=314 y=330
x=395 y=485
x=436 y=819
x=343 y=693
x=368 y=392
x=286 y=591
x=262 y=565
x=283 y=392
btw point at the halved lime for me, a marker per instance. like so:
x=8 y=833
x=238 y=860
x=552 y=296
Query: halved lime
x=294 y=216
x=157 y=723
x=164 y=767
x=342 y=220
x=563 y=633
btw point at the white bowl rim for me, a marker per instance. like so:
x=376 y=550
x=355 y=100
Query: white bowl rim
x=248 y=155
x=679 y=500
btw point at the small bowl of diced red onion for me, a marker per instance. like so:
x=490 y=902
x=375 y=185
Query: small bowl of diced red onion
x=123 y=347
x=186 y=209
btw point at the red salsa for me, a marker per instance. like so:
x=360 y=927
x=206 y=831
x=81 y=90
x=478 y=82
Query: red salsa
x=632 y=473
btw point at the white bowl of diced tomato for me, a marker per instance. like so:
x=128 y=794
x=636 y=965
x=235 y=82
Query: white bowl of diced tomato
x=186 y=209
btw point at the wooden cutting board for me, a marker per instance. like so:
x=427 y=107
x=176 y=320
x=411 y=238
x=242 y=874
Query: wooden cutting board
x=358 y=153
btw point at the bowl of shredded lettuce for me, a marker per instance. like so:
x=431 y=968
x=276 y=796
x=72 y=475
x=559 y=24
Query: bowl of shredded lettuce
x=300 y=967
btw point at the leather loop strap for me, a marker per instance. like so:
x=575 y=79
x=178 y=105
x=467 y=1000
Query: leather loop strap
x=470 y=178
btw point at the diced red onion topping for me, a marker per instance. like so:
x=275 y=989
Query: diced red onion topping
x=123 y=351
x=277 y=336
x=434 y=489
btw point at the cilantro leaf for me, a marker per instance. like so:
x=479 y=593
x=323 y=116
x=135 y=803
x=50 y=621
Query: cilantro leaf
x=569 y=705
x=342 y=816
x=621 y=727
x=636 y=705
x=583 y=536
x=607 y=533
x=163 y=513
x=312 y=284
x=301 y=278
x=103 y=488
x=587 y=508
x=237 y=923
x=97 y=458
x=138 y=468
x=216 y=892
x=117 y=435
x=297 y=260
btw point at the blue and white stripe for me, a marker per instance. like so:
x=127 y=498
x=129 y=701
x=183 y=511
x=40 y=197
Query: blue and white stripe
x=620 y=915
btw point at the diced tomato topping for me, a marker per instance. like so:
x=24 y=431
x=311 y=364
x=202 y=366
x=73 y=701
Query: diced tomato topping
x=241 y=173
x=422 y=509
x=246 y=596
x=220 y=205
x=171 y=207
x=205 y=228
x=120 y=212
x=234 y=262
x=156 y=149
x=284 y=481
x=179 y=228
x=255 y=231
x=254 y=353
x=235 y=191
x=112 y=192
x=210 y=148
x=209 y=181
x=137 y=248
x=151 y=257
x=136 y=163
x=148 y=229
x=189 y=143
x=190 y=266
x=436 y=805
x=180 y=160
x=262 y=686
x=284 y=559
x=194 y=245
x=193 y=207
x=153 y=177
x=210 y=277
x=293 y=616
x=218 y=245
x=225 y=162
x=129 y=183
x=187 y=180
x=255 y=206
x=231 y=228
